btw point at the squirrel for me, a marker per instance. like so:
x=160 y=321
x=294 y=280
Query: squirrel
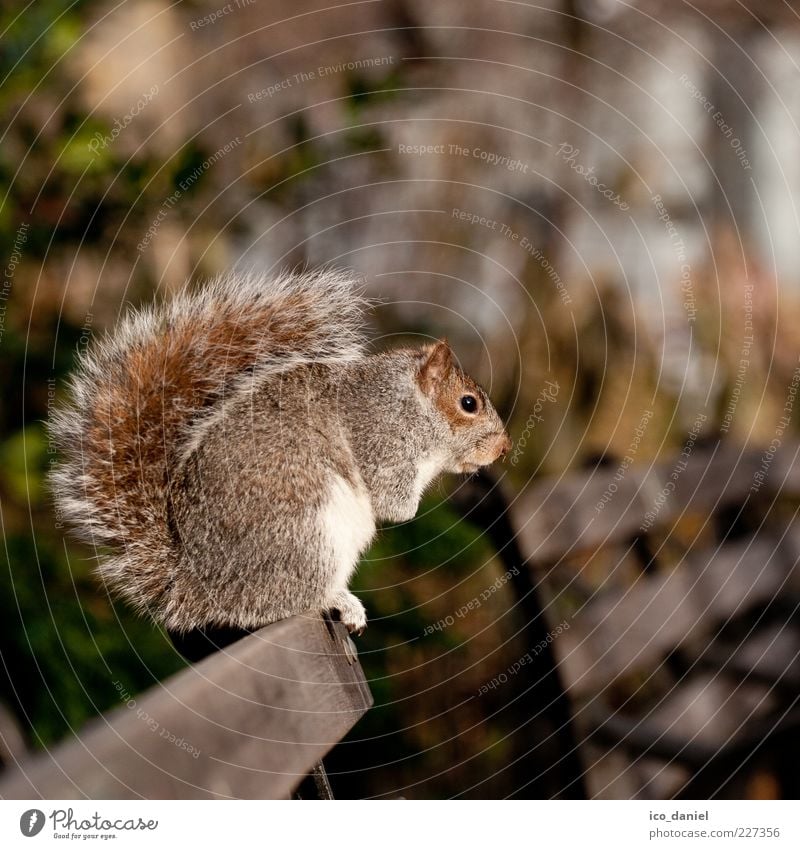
x=236 y=447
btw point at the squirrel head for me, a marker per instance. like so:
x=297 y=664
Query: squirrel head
x=477 y=435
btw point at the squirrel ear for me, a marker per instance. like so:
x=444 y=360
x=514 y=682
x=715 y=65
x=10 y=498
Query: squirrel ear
x=437 y=360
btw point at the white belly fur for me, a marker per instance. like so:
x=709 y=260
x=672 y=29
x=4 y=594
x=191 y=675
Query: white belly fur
x=348 y=518
x=427 y=470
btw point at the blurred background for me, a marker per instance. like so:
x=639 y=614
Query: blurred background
x=594 y=200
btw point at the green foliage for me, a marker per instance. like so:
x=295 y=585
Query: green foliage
x=64 y=644
x=22 y=457
x=365 y=93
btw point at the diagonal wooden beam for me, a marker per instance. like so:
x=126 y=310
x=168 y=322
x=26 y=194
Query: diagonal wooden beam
x=247 y=722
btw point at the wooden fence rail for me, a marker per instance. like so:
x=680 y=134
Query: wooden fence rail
x=247 y=722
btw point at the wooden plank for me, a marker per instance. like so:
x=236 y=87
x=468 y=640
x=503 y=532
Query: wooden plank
x=770 y=655
x=622 y=632
x=247 y=722
x=747 y=727
x=586 y=511
x=692 y=725
x=12 y=741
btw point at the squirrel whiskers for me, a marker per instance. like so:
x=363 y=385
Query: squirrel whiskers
x=236 y=447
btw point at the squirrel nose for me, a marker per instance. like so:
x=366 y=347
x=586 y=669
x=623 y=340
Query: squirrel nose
x=505 y=445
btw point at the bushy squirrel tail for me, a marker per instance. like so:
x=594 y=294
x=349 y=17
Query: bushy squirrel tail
x=137 y=394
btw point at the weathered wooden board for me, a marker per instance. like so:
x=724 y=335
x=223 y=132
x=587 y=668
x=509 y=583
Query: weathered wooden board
x=589 y=510
x=621 y=632
x=247 y=722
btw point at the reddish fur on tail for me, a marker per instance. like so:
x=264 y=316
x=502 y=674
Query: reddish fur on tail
x=141 y=397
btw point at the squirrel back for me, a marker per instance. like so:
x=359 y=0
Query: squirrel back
x=139 y=394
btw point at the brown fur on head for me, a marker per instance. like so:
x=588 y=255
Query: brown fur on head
x=478 y=435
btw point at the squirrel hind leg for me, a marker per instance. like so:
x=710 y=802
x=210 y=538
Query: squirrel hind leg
x=351 y=611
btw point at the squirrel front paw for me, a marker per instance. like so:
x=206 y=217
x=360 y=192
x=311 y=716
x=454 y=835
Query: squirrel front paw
x=351 y=611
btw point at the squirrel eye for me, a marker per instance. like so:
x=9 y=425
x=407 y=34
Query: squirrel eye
x=469 y=403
